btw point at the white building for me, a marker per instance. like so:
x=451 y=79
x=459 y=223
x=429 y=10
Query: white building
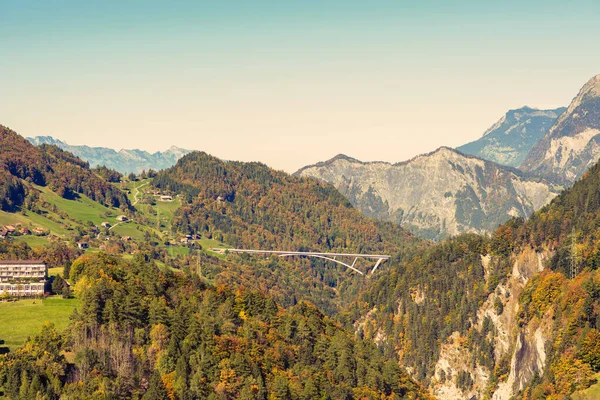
x=22 y=277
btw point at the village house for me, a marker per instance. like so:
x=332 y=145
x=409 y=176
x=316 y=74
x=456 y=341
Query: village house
x=22 y=278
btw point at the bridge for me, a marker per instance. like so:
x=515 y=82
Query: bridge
x=326 y=256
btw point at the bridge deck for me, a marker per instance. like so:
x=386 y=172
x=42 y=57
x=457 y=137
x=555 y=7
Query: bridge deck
x=327 y=256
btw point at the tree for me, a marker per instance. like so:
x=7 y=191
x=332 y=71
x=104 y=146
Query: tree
x=156 y=389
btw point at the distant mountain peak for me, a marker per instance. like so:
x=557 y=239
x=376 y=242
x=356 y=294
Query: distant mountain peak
x=572 y=145
x=511 y=138
x=124 y=160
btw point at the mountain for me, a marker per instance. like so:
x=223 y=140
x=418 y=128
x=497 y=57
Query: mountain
x=437 y=194
x=509 y=140
x=124 y=161
x=572 y=145
x=511 y=315
x=22 y=165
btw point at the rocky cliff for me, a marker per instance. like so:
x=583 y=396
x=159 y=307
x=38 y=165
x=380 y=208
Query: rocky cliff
x=437 y=194
x=572 y=145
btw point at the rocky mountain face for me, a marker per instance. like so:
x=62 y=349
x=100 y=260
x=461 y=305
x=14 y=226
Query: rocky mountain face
x=572 y=145
x=124 y=161
x=509 y=141
x=512 y=315
x=435 y=195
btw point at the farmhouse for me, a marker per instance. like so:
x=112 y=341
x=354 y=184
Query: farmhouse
x=22 y=278
x=166 y=198
x=122 y=218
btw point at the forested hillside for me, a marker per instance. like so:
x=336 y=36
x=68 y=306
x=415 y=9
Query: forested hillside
x=478 y=299
x=49 y=166
x=248 y=205
x=140 y=332
x=251 y=205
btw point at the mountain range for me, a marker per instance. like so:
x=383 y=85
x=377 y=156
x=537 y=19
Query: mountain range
x=512 y=314
x=437 y=194
x=124 y=161
x=447 y=192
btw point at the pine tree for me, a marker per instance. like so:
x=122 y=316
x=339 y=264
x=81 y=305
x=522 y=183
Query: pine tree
x=156 y=389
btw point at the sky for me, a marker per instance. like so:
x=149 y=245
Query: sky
x=287 y=83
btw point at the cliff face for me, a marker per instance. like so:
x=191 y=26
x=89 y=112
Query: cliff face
x=435 y=195
x=519 y=351
x=572 y=145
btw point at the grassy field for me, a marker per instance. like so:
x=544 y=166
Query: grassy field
x=33 y=241
x=82 y=209
x=56 y=271
x=128 y=229
x=24 y=318
x=591 y=393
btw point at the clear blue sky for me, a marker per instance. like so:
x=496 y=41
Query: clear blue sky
x=288 y=83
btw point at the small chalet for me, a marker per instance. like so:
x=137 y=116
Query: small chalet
x=122 y=218
x=82 y=245
x=105 y=224
x=166 y=198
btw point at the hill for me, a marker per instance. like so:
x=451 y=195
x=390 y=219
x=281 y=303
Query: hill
x=248 y=205
x=437 y=194
x=571 y=146
x=509 y=141
x=124 y=161
x=513 y=314
x=65 y=174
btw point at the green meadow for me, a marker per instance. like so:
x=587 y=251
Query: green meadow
x=24 y=318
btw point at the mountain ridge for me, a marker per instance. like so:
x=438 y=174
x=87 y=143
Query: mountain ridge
x=571 y=145
x=511 y=138
x=124 y=160
x=436 y=194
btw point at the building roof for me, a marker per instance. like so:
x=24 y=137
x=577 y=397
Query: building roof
x=11 y=262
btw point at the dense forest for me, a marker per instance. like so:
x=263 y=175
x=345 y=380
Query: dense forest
x=419 y=302
x=49 y=166
x=141 y=332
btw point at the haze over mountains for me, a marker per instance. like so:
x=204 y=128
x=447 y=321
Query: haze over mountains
x=446 y=192
x=438 y=194
x=124 y=161
x=512 y=314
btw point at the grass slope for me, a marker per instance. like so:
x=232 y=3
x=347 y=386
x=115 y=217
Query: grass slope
x=24 y=318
